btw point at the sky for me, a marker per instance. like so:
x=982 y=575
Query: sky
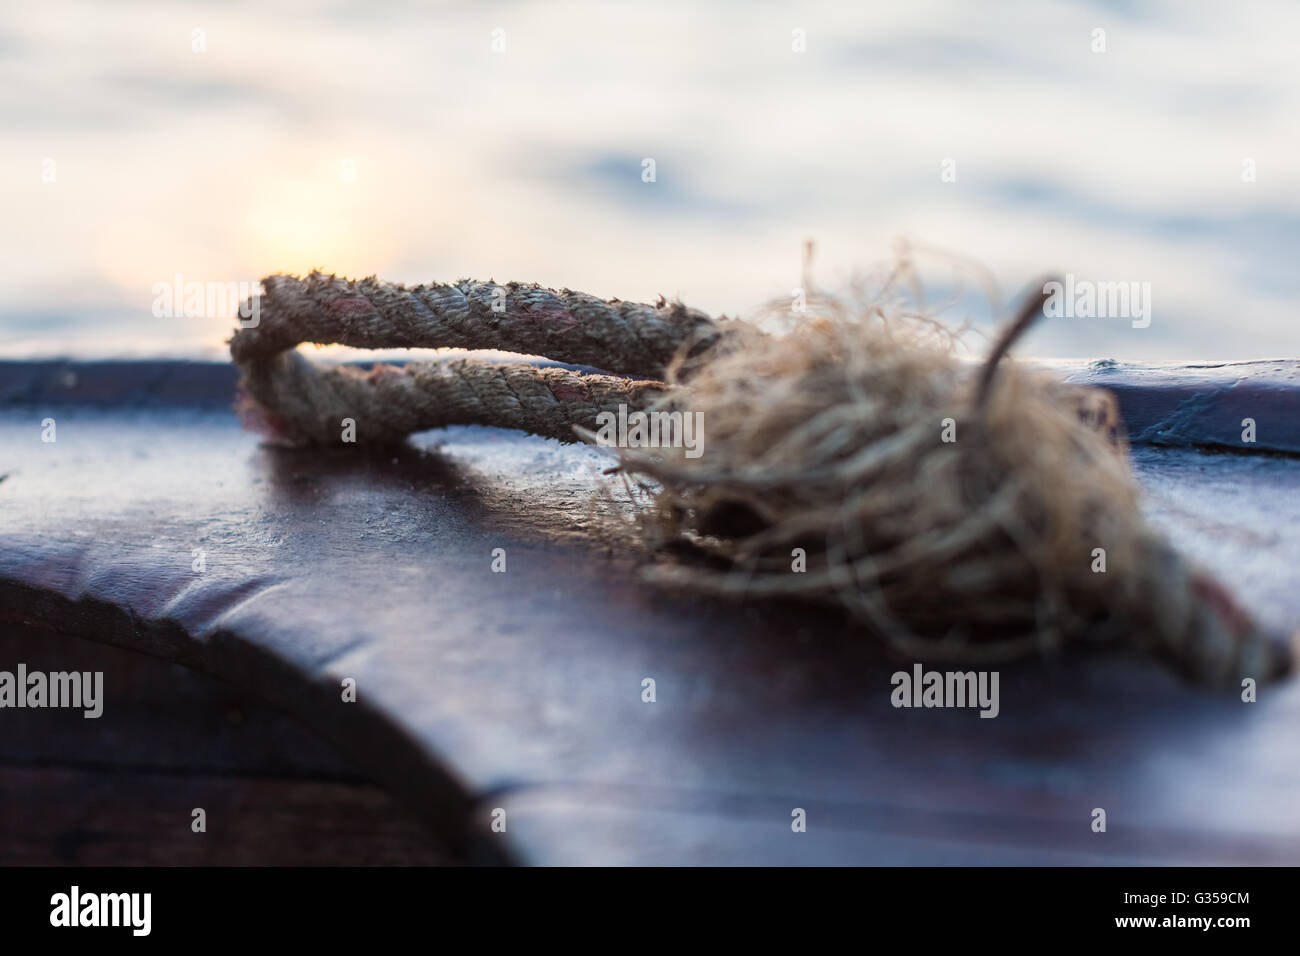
x=431 y=141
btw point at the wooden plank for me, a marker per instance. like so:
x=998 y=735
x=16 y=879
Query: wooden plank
x=585 y=826
x=1199 y=405
x=162 y=718
x=1202 y=406
x=476 y=688
x=67 y=817
x=120 y=789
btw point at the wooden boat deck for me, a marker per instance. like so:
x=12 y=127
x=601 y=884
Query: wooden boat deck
x=523 y=690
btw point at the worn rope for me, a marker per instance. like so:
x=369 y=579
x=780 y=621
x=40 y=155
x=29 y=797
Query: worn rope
x=305 y=403
x=625 y=338
x=826 y=442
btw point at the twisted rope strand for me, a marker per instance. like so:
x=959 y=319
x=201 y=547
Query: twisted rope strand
x=626 y=338
x=309 y=404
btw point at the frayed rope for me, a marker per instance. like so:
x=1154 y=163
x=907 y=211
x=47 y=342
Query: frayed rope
x=853 y=461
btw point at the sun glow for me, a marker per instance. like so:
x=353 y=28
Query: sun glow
x=321 y=221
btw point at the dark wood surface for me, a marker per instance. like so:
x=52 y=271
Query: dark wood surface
x=1203 y=406
x=1191 y=406
x=121 y=789
x=62 y=816
x=522 y=690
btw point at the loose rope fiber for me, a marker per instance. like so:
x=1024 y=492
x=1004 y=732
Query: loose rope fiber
x=831 y=442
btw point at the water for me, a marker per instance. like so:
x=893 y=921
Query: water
x=391 y=138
